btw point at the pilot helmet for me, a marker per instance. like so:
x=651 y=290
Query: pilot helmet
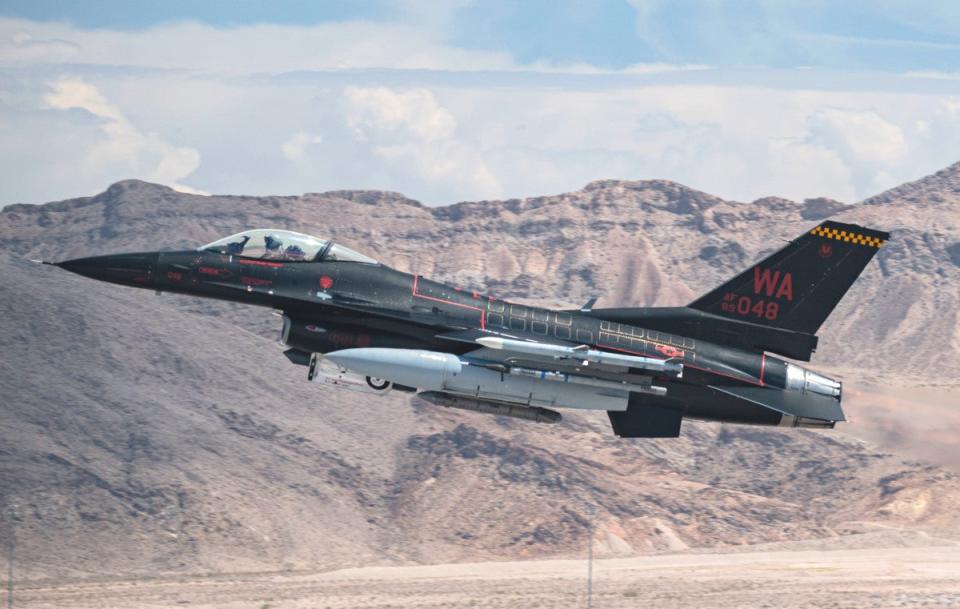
x=294 y=251
x=272 y=243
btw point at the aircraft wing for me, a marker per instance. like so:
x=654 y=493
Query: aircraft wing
x=652 y=416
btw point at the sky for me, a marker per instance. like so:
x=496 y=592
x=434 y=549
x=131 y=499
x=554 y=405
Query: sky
x=470 y=100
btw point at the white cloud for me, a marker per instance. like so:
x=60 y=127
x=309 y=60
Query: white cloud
x=246 y=49
x=737 y=142
x=445 y=164
x=272 y=48
x=124 y=147
x=414 y=112
x=882 y=34
x=802 y=171
x=402 y=108
x=175 y=164
x=412 y=129
x=933 y=74
x=23 y=47
x=951 y=107
x=72 y=92
x=864 y=136
x=295 y=148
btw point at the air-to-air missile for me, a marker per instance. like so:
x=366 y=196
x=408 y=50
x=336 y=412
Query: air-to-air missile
x=359 y=324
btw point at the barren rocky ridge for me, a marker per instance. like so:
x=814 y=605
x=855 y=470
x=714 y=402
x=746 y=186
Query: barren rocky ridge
x=145 y=434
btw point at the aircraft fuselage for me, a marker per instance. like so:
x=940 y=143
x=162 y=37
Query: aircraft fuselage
x=330 y=306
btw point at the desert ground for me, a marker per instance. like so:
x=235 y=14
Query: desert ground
x=786 y=577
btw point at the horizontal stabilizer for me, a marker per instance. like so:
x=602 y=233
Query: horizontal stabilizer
x=793 y=403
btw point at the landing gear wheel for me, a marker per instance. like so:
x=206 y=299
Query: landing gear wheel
x=379 y=384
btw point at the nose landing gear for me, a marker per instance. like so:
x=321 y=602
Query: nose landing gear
x=380 y=385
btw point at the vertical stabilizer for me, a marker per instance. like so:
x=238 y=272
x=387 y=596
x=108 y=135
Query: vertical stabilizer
x=797 y=287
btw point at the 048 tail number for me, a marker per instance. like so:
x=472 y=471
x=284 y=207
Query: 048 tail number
x=751 y=307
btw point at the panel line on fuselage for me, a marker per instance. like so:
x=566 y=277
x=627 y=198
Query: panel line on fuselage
x=609 y=332
x=483 y=313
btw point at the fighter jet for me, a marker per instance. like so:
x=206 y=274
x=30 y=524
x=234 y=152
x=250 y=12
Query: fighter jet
x=356 y=323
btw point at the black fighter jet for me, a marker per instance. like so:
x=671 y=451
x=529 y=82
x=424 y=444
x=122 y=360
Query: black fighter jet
x=357 y=323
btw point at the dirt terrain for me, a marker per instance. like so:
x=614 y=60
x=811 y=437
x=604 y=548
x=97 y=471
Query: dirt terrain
x=925 y=576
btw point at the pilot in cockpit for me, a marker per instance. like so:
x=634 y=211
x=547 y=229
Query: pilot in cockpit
x=274 y=247
x=294 y=252
x=279 y=244
x=236 y=247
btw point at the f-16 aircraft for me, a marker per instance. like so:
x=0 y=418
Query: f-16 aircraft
x=354 y=322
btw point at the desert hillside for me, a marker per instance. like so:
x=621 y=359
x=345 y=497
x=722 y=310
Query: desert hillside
x=158 y=434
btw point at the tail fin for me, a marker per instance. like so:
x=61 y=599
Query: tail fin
x=798 y=287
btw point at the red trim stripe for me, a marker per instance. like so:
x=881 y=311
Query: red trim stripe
x=483 y=314
x=275 y=265
x=744 y=379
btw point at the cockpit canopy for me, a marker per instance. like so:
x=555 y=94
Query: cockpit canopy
x=273 y=244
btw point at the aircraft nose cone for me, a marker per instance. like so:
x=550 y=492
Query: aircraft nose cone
x=135 y=270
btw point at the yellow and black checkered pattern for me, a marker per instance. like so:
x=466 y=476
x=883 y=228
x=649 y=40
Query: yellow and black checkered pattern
x=847 y=236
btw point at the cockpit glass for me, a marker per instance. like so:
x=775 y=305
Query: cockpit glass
x=270 y=244
x=345 y=254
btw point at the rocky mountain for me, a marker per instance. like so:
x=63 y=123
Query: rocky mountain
x=146 y=434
